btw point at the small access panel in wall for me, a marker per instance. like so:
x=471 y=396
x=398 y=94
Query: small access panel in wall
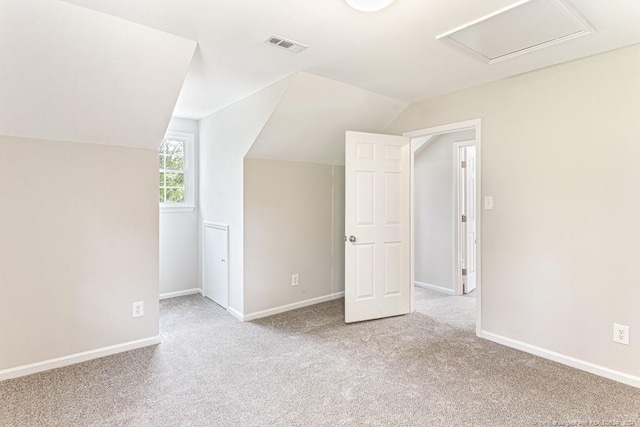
x=518 y=29
x=215 y=270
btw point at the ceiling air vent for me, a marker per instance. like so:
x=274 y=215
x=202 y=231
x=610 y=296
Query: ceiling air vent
x=286 y=44
x=518 y=29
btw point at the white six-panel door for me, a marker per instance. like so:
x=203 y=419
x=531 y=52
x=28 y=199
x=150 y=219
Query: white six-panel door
x=377 y=226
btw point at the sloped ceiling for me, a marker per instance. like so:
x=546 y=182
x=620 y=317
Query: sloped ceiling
x=70 y=73
x=309 y=123
x=392 y=52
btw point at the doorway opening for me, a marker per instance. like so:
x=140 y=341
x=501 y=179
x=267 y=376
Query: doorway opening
x=445 y=210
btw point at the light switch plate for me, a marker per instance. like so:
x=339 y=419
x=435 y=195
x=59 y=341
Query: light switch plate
x=488 y=203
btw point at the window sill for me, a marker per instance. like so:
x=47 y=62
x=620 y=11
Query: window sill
x=176 y=209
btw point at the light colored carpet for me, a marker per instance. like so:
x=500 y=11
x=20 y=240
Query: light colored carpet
x=307 y=368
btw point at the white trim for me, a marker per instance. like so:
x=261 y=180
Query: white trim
x=284 y=308
x=458 y=288
x=412 y=210
x=457 y=212
x=444 y=129
x=225 y=228
x=434 y=288
x=45 y=365
x=176 y=209
x=564 y=359
x=168 y=295
x=235 y=313
x=475 y=124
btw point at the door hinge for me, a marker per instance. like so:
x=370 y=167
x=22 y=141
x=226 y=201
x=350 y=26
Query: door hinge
x=464 y=218
x=463 y=164
x=464 y=271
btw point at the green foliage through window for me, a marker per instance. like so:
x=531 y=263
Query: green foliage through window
x=172 y=182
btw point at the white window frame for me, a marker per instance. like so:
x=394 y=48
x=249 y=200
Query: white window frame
x=189 y=203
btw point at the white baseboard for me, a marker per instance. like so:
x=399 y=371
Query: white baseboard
x=283 y=308
x=434 y=288
x=235 y=313
x=45 y=365
x=565 y=360
x=181 y=293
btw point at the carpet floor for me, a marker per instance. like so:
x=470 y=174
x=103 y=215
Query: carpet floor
x=307 y=368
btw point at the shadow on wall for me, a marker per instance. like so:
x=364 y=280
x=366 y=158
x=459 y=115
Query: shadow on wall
x=293 y=224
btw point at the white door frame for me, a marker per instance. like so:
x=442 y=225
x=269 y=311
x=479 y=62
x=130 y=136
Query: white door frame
x=225 y=228
x=458 y=247
x=419 y=140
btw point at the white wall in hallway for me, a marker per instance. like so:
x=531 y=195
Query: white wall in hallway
x=434 y=223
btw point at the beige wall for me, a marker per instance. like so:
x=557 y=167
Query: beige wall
x=293 y=223
x=434 y=194
x=78 y=245
x=559 y=155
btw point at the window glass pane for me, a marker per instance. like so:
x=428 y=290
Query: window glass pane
x=174 y=179
x=175 y=195
x=174 y=148
x=175 y=163
x=172 y=172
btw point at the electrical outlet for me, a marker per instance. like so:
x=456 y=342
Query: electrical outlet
x=294 y=279
x=138 y=309
x=621 y=334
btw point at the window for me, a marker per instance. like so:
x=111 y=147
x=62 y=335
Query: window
x=176 y=189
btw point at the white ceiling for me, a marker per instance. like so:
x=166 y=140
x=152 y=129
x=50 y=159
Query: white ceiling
x=74 y=74
x=309 y=122
x=391 y=52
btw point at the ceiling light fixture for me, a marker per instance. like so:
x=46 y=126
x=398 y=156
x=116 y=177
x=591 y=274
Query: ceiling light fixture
x=368 y=5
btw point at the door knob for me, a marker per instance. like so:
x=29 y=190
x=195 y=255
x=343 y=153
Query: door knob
x=352 y=239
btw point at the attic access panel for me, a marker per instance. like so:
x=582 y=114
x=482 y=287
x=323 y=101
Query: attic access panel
x=517 y=29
